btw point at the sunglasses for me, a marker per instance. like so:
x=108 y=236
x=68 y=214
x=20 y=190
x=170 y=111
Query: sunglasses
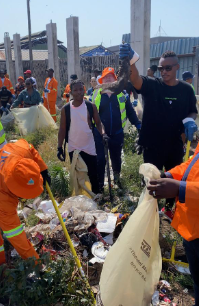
x=166 y=68
x=28 y=83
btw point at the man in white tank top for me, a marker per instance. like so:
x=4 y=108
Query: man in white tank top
x=80 y=135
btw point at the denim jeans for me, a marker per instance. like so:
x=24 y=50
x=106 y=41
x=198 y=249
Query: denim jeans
x=192 y=253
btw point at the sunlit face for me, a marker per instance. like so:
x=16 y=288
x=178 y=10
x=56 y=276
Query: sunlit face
x=93 y=82
x=78 y=92
x=109 y=78
x=171 y=62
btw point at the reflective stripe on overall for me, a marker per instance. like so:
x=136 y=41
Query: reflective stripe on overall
x=1 y=248
x=121 y=100
x=14 y=232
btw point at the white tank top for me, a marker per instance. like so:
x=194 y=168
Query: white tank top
x=80 y=136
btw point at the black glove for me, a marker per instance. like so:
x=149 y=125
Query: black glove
x=67 y=95
x=46 y=177
x=105 y=139
x=60 y=154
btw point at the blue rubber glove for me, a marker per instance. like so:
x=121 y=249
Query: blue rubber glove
x=126 y=50
x=46 y=90
x=135 y=103
x=190 y=128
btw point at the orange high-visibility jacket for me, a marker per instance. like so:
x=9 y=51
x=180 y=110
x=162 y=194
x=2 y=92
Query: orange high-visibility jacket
x=52 y=86
x=25 y=150
x=9 y=220
x=8 y=85
x=186 y=217
x=67 y=90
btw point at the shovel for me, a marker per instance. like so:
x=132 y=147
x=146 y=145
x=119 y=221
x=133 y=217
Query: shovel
x=108 y=169
x=70 y=242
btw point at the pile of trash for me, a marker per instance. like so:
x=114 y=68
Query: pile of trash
x=91 y=230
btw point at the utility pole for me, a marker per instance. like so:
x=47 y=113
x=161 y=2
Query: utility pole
x=29 y=34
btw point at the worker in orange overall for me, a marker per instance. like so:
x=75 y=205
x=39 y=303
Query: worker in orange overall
x=50 y=93
x=5 y=82
x=182 y=182
x=22 y=175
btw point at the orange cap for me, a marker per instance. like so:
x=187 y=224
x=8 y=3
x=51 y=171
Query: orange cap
x=20 y=78
x=106 y=71
x=22 y=177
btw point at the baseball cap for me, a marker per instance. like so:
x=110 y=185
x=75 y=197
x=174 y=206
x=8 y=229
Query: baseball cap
x=73 y=77
x=28 y=71
x=50 y=69
x=105 y=72
x=187 y=75
x=20 y=78
x=22 y=177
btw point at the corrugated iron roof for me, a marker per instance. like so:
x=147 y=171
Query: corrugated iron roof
x=97 y=51
x=179 y=46
x=38 y=55
x=85 y=49
x=39 y=37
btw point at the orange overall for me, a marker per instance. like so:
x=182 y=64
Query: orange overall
x=186 y=217
x=9 y=220
x=7 y=83
x=51 y=97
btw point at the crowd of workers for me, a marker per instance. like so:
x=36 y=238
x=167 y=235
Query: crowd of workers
x=26 y=93
x=89 y=124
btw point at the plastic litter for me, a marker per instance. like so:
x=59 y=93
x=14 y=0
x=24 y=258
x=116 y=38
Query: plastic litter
x=47 y=207
x=109 y=239
x=53 y=223
x=183 y=269
x=99 y=251
x=80 y=202
x=7 y=119
x=107 y=226
x=155 y=298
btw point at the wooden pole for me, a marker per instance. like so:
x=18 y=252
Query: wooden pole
x=29 y=34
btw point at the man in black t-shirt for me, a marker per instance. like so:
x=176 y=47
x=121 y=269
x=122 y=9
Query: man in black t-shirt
x=5 y=100
x=169 y=110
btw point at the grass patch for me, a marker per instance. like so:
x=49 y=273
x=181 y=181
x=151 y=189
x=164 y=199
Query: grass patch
x=25 y=284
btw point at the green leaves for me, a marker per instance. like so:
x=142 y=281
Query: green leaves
x=25 y=284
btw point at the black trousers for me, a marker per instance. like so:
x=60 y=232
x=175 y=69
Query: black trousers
x=91 y=163
x=115 y=149
x=167 y=156
x=192 y=253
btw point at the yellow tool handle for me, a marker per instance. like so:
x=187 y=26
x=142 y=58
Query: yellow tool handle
x=69 y=240
x=187 y=150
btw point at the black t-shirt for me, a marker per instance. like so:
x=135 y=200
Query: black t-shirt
x=164 y=109
x=4 y=97
x=130 y=89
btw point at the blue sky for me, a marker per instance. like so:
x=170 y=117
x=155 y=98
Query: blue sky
x=101 y=21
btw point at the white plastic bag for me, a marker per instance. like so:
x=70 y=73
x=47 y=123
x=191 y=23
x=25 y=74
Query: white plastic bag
x=7 y=119
x=80 y=202
x=33 y=118
x=133 y=265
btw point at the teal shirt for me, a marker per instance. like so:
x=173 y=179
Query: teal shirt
x=34 y=99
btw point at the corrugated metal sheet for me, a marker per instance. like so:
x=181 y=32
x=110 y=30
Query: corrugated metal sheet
x=99 y=51
x=179 y=46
